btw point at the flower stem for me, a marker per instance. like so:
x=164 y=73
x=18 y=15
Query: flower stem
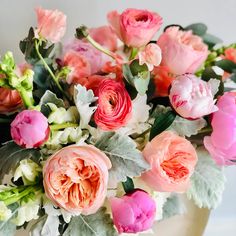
x=27 y=100
x=63 y=126
x=133 y=53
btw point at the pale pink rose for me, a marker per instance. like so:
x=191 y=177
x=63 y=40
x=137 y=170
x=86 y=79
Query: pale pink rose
x=105 y=36
x=30 y=129
x=182 y=52
x=151 y=56
x=172 y=159
x=135 y=27
x=192 y=97
x=134 y=212
x=76 y=177
x=51 y=24
x=222 y=143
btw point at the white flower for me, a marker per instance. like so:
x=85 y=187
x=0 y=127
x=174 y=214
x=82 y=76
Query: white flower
x=5 y=213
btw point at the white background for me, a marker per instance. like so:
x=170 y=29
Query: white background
x=220 y=15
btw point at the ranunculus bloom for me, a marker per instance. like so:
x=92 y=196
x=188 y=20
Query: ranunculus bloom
x=51 y=24
x=114 y=105
x=105 y=36
x=230 y=54
x=10 y=101
x=172 y=160
x=134 y=212
x=135 y=27
x=222 y=143
x=182 y=52
x=30 y=129
x=76 y=177
x=192 y=97
x=151 y=56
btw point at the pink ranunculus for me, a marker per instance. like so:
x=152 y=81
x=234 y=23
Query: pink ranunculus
x=151 y=56
x=30 y=129
x=222 y=143
x=192 y=97
x=114 y=105
x=51 y=24
x=135 y=27
x=182 y=52
x=76 y=177
x=134 y=212
x=105 y=36
x=172 y=159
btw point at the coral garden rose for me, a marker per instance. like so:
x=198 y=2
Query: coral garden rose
x=192 y=97
x=182 y=52
x=172 y=159
x=76 y=177
x=222 y=144
x=30 y=129
x=51 y=24
x=114 y=105
x=135 y=27
x=134 y=212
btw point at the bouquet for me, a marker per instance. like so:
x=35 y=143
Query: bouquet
x=101 y=134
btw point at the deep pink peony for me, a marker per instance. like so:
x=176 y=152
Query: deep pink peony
x=133 y=212
x=222 y=143
x=30 y=129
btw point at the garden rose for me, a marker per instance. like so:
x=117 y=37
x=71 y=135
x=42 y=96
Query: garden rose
x=197 y=97
x=172 y=160
x=222 y=144
x=51 y=24
x=135 y=27
x=76 y=177
x=114 y=105
x=134 y=212
x=182 y=52
x=30 y=129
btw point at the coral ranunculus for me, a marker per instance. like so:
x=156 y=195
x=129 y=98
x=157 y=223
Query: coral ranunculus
x=172 y=160
x=76 y=177
x=230 y=54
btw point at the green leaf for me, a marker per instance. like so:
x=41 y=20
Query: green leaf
x=126 y=159
x=198 y=28
x=128 y=185
x=209 y=73
x=127 y=74
x=207 y=181
x=99 y=224
x=41 y=76
x=211 y=40
x=136 y=68
x=226 y=65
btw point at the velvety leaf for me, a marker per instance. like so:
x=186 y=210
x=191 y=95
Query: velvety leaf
x=198 y=28
x=7 y=228
x=226 y=65
x=50 y=97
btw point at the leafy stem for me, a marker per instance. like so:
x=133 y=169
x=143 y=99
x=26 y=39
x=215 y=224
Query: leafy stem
x=62 y=126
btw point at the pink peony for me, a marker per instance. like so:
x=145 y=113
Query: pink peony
x=172 y=160
x=76 y=177
x=182 y=52
x=114 y=105
x=30 y=129
x=135 y=27
x=133 y=212
x=192 y=97
x=222 y=144
x=51 y=24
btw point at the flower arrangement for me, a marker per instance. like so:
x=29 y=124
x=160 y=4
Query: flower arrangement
x=100 y=135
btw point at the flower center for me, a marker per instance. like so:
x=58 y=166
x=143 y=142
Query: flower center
x=143 y=18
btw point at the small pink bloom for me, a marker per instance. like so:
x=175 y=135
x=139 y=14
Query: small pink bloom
x=51 y=24
x=135 y=27
x=182 y=52
x=76 y=177
x=222 y=144
x=30 y=129
x=133 y=212
x=230 y=54
x=192 y=97
x=151 y=56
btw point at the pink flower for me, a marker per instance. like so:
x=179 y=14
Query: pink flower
x=135 y=27
x=172 y=160
x=230 y=54
x=182 y=52
x=51 y=24
x=151 y=56
x=222 y=144
x=76 y=177
x=192 y=97
x=30 y=129
x=114 y=105
x=133 y=212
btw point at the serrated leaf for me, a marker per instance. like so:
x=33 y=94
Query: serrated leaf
x=197 y=28
x=207 y=181
x=99 y=224
x=226 y=65
x=126 y=159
